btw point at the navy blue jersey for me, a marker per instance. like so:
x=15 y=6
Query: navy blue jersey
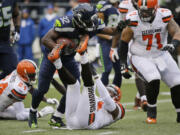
x=6 y=11
x=111 y=14
x=66 y=28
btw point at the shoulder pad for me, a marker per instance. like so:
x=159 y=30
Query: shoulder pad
x=166 y=14
x=133 y=17
x=103 y=7
x=63 y=24
x=124 y=6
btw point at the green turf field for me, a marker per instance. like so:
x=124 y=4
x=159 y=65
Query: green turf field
x=132 y=124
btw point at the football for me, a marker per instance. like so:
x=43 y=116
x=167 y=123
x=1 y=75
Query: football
x=70 y=43
x=70 y=47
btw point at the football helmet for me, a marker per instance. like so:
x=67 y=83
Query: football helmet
x=115 y=92
x=27 y=71
x=147 y=9
x=84 y=17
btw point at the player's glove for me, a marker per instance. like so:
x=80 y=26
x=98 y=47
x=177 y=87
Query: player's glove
x=15 y=37
x=52 y=101
x=114 y=54
x=125 y=71
x=168 y=47
x=122 y=25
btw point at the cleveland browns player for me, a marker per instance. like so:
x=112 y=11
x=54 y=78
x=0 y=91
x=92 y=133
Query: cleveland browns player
x=148 y=29
x=85 y=110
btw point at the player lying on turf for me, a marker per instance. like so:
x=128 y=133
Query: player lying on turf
x=14 y=89
x=85 y=110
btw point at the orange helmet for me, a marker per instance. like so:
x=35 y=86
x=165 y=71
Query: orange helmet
x=27 y=71
x=147 y=9
x=115 y=92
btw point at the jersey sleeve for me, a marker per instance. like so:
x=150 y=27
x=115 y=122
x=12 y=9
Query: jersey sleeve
x=19 y=91
x=132 y=17
x=166 y=14
x=63 y=24
x=123 y=7
x=113 y=17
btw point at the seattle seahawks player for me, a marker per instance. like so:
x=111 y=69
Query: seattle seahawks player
x=109 y=13
x=8 y=59
x=86 y=110
x=83 y=21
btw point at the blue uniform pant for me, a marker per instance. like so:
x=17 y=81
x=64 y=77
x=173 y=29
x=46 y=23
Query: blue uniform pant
x=47 y=70
x=25 y=52
x=105 y=47
x=8 y=60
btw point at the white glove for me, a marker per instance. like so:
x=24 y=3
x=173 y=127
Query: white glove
x=168 y=47
x=114 y=54
x=16 y=37
x=52 y=101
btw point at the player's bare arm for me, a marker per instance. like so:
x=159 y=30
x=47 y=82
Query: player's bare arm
x=126 y=36
x=16 y=18
x=49 y=39
x=174 y=29
x=107 y=37
x=115 y=40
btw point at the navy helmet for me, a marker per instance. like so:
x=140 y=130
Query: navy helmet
x=84 y=16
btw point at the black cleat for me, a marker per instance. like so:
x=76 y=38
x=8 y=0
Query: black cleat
x=32 y=121
x=178 y=117
x=56 y=122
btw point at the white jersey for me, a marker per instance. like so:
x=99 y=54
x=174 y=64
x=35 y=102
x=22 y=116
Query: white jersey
x=102 y=116
x=149 y=38
x=87 y=111
x=125 y=7
x=12 y=89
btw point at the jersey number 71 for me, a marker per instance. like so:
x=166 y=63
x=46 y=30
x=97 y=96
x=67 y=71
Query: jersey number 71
x=150 y=40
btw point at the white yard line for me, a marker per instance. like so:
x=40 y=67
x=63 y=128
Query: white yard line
x=34 y=131
x=107 y=133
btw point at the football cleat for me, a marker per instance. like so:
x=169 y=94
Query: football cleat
x=144 y=105
x=56 y=122
x=137 y=103
x=151 y=120
x=32 y=121
x=178 y=117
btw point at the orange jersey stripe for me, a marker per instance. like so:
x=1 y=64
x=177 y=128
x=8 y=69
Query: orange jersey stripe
x=91 y=118
x=123 y=10
x=167 y=19
x=21 y=96
x=133 y=23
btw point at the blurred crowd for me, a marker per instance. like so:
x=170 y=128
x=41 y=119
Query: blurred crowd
x=38 y=17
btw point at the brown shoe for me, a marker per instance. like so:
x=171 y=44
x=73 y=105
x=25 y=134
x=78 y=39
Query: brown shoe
x=137 y=103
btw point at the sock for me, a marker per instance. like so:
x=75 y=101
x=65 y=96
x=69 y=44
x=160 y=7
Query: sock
x=84 y=58
x=33 y=110
x=58 y=64
x=58 y=114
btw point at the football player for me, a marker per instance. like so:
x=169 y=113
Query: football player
x=83 y=21
x=125 y=7
x=8 y=59
x=107 y=10
x=148 y=29
x=85 y=110
x=14 y=88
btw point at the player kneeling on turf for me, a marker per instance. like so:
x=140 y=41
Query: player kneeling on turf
x=85 y=110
